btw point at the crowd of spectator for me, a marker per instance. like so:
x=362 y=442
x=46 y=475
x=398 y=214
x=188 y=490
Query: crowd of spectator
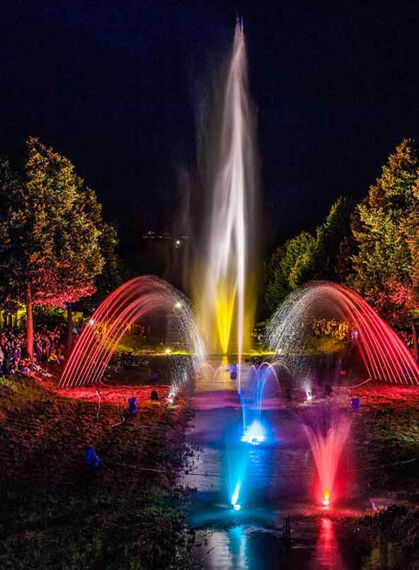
x=48 y=347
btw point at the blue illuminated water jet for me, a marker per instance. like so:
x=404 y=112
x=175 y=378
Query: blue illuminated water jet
x=255 y=433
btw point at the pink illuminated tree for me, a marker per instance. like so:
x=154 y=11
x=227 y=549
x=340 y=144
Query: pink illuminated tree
x=50 y=231
x=386 y=232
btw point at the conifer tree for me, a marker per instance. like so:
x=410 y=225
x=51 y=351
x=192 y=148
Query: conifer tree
x=287 y=266
x=330 y=238
x=305 y=257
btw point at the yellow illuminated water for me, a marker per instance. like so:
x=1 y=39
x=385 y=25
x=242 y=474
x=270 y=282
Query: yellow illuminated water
x=222 y=289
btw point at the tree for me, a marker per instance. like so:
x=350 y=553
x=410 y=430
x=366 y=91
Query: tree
x=50 y=235
x=331 y=239
x=385 y=227
x=287 y=265
x=113 y=273
x=9 y=189
x=304 y=257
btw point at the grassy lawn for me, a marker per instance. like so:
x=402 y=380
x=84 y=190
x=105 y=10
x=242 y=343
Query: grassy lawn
x=386 y=436
x=57 y=512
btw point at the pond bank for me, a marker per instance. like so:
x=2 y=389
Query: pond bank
x=57 y=512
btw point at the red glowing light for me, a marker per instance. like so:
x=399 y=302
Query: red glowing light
x=327 y=548
x=124 y=306
x=385 y=356
x=327 y=446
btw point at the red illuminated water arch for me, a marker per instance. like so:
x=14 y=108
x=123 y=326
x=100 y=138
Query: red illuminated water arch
x=385 y=356
x=104 y=330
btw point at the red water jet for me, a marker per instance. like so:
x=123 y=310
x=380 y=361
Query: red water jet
x=327 y=435
x=103 y=331
x=385 y=356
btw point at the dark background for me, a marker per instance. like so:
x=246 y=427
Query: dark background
x=117 y=87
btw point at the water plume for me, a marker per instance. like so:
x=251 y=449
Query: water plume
x=223 y=287
x=327 y=431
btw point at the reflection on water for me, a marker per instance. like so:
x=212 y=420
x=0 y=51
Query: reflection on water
x=327 y=548
x=275 y=481
x=240 y=547
x=246 y=547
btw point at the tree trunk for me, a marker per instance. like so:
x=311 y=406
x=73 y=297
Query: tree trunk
x=69 y=328
x=415 y=342
x=29 y=323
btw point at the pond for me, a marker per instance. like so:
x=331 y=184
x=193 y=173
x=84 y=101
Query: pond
x=277 y=491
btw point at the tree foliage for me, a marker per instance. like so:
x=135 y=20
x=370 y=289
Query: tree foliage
x=305 y=257
x=113 y=273
x=331 y=237
x=50 y=231
x=386 y=231
x=286 y=268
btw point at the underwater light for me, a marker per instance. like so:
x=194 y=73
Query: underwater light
x=235 y=496
x=326 y=498
x=172 y=395
x=168 y=351
x=254 y=434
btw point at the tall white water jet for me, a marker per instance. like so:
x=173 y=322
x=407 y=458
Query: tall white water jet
x=224 y=288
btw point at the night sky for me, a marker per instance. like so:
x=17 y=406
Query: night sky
x=117 y=87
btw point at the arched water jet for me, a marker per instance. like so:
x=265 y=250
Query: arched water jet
x=125 y=306
x=252 y=397
x=385 y=356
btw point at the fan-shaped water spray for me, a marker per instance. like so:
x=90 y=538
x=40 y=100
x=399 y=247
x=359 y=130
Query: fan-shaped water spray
x=126 y=305
x=327 y=430
x=384 y=355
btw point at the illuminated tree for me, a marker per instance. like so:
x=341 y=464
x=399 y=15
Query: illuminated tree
x=286 y=268
x=9 y=189
x=386 y=231
x=50 y=233
x=113 y=273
